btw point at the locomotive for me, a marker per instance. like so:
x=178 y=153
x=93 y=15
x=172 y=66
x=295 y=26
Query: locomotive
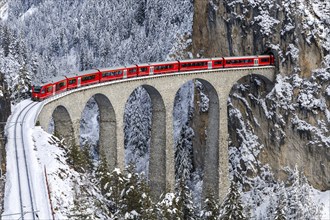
x=94 y=76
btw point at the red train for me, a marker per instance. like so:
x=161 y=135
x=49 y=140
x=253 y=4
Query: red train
x=89 y=77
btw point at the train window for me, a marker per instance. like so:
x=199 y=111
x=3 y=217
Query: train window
x=86 y=78
x=265 y=60
x=72 y=81
x=143 y=69
x=50 y=88
x=36 y=89
x=112 y=73
x=132 y=70
x=218 y=62
x=60 y=85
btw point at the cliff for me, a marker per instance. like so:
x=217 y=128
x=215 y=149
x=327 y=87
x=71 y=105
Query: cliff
x=290 y=121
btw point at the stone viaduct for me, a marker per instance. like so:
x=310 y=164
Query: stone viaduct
x=111 y=97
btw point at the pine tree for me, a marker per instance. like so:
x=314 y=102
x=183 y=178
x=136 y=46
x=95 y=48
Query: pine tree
x=211 y=209
x=135 y=196
x=281 y=209
x=184 y=201
x=184 y=154
x=232 y=207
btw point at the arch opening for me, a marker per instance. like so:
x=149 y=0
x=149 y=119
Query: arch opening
x=98 y=130
x=62 y=125
x=196 y=138
x=246 y=115
x=145 y=136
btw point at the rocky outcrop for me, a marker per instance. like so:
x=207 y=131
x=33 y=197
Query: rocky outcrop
x=292 y=130
x=237 y=28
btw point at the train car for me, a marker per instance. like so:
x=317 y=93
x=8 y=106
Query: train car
x=40 y=93
x=143 y=69
x=196 y=64
x=248 y=61
x=72 y=82
x=132 y=71
x=165 y=67
x=108 y=74
x=60 y=85
x=265 y=60
x=217 y=62
x=88 y=77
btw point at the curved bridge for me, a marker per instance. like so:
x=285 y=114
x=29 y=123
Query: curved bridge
x=66 y=110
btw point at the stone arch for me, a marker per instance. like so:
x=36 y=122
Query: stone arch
x=107 y=132
x=63 y=126
x=244 y=107
x=258 y=81
x=157 y=151
x=206 y=141
x=211 y=158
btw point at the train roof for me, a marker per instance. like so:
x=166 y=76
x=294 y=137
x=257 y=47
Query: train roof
x=194 y=60
x=165 y=62
x=131 y=66
x=112 y=68
x=143 y=64
x=242 y=57
x=217 y=58
x=81 y=73
x=57 y=79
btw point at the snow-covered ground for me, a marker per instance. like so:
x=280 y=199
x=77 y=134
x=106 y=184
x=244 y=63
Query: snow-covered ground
x=39 y=156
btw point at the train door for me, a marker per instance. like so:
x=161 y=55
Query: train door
x=209 y=64
x=151 y=70
x=256 y=62
x=125 y=74
x=54 y=89
x=79 y=82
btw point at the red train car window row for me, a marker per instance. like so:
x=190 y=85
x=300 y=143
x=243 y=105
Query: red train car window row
x=164 y=67
x=130 y=71
x=194 y=64
x=239 y=61
x=87 y=78
x=218 y=62
x=112 y=73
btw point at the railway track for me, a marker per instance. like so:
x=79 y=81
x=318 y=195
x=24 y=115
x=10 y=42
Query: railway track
x=25 y=191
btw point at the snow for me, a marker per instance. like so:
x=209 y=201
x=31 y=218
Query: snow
x=323 y=199
x=36 y=171
x=3 y=11
x=44 y=156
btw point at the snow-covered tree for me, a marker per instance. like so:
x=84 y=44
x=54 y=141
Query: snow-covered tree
x=232 y=207
x=281 y=204
x=211 y=209
x=137 y=120
x=184 y=154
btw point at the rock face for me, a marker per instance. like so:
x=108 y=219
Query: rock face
x=290 y=131
x=292 y=123
x=237 y=28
